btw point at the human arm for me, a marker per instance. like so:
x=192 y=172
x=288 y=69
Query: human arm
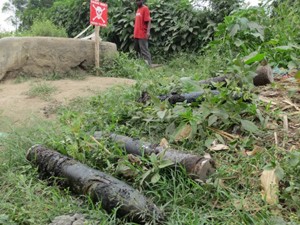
x=148 y=28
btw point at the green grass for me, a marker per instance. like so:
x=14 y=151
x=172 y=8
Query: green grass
x=24 y=198
x=41 y=90
x=230 y=196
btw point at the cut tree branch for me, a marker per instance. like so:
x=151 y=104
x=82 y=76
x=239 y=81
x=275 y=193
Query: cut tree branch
x=111 y=192
x=188 y=97
x=197 y=167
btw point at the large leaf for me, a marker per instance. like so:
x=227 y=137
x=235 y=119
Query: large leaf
x=238 y=42
x=183 y=132
x=212 y=119
x=284 y=48
x=234 y=29
x=297 y=75
x=249 y=126
x=155 y=178
x=165 y=163
x=254 y=57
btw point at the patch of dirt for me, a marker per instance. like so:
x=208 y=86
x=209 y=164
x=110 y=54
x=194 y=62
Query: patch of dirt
x=282 y=99
x=16 y=106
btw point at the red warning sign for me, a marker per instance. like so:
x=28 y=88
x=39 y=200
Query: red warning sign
x=98 y=13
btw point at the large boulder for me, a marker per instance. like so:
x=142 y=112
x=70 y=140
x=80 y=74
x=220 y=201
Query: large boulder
x=39 y=56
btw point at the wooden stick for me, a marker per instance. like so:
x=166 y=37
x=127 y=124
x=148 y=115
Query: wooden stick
x=224 y=134
x=276 y=139
x=293 y=113
x=82 y=32
x=105 y=149
x=97 y=53
x=291 y=104
x=285 y=123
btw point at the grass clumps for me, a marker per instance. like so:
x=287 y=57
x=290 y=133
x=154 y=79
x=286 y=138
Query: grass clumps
x=41 y=90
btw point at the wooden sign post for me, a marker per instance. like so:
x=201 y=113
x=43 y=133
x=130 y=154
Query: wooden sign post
x=98 y=17
x=97 y=50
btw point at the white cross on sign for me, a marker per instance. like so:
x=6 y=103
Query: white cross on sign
x=99 y=12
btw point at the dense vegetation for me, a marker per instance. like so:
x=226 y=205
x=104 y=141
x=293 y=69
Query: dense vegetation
x=177 y=25
x=196 y=48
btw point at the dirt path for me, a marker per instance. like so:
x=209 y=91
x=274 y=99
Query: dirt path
x=16 y=106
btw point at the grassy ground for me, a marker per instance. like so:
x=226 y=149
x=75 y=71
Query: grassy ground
x=231 y=196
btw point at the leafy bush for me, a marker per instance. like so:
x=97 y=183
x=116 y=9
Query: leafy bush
x=173 y=28
x=5 y=34
x=46 y=28
x=71 y=14
x=257 y=33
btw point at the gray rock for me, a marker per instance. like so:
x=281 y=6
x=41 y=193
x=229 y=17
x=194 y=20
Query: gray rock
x=39 y=56
x=264 y=75
x=76 y=219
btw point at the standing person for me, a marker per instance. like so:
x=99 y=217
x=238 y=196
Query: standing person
x=141 y=35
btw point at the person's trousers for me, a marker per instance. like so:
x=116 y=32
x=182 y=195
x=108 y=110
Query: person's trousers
x=141 y=47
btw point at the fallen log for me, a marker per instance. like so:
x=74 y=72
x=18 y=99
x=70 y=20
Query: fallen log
x=188 y=97
x=193 y=97
x=264 y=76
x=196 y=166
x=213 y=80
x=111 y=192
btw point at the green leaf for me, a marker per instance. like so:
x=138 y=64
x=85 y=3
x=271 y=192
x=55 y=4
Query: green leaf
x=165 y=163
x=294 y=159
x=273 y=42
x=155 y=178
x=249 y=126
x=153 y=158
x=284 y=48
x=212 y=119
x=234 y=30
x=258 y=35
x=208 y=142
x=238 y=43
x=279 y=172
x=145 y=175
x=297 y=75
x=292 y=65
x=253 y=25
x=161 y=114
x=220 y=138
x=254 y=57
x=269 y=166
x=244 y=22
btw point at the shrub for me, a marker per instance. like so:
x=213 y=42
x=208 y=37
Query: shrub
x=46 y=28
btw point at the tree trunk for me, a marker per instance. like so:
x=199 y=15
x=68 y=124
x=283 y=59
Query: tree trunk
x=112 y=193
x=197 y=167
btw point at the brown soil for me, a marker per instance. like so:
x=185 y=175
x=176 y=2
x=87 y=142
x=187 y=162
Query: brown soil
x=17 y=106
x=283 y=99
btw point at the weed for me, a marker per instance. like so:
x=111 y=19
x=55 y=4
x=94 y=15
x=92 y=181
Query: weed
x=41 y=90
x=21 y=78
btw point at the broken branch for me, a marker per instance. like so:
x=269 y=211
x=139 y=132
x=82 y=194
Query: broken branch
x=111 y=192
x=197 y=167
